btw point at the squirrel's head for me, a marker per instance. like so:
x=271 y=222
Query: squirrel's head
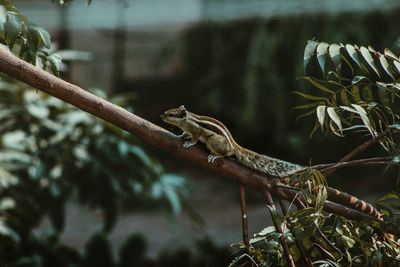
x=174 y=116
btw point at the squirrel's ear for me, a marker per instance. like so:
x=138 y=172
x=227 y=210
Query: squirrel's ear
x=182 y=107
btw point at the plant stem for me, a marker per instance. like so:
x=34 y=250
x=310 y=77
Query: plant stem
x=286 y=250
x=243 y=208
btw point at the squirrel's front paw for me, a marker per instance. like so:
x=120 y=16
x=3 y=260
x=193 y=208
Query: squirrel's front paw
x=184 y=136
x=212 y=157
x=188 y=144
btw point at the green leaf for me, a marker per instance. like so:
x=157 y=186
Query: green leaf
x=321 y=198
x=347 y=241
x=38 y=38
x=397 y=65
x=334 y=130
x=355 y=92
x=309 y=52
x=55 y=63
x=363 y=115
x=353 y=54
x=306 y=106
x=359 y=109
x=321 y=111
x=344 y=97
x=38 y=111
x=5 y=230
x=322 y=51
x=315 y=128
x=326 y=263
x=390 y=200
x=335 y=118
x=390 y=54
x=367 y=93
x=12 y=28
x=43 y=37
x=8 y=5
x=302 y=213
x=305 y=114
x=370 y=60
x=318 y=85
x=377 y=258
x=334 y=53
x=385 y=65
x=383 y=95
x=310 y=97
x=358 y=79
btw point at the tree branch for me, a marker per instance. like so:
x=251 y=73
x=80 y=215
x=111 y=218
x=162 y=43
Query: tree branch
x=149 y=132
x=278 y=228
x=328 y=169
x=363 y=146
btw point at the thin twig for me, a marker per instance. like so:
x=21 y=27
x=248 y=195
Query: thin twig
x=286 y=250
x=358 y=150
x=363 y=147
x=243 y=208
x=325 y=238
x=307 y=260
x=352 y=162
x=328 y=169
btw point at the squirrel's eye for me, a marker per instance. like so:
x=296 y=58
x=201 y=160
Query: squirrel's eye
x=170 y=114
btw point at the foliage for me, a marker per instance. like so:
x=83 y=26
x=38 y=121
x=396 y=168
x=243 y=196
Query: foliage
x=353 y=88
x=25 y=39
x=50 y=153
x=49 y=251
x=347 y=88
x=325 y=239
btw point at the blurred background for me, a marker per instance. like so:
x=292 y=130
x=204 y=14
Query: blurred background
x=233 y=60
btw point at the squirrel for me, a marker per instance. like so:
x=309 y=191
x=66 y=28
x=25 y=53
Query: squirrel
x=220 y=143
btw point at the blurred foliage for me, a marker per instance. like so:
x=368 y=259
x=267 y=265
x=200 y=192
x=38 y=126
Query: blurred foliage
x=25 y=39
x=50 y=152
x=49 y=251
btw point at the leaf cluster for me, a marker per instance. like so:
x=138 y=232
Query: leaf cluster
x=350 y=88
x=325 y=239
x=50 y=152
x=25 y=39
x=347 y=88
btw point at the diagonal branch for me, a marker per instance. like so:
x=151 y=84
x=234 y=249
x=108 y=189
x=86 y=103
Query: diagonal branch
x=149 y=132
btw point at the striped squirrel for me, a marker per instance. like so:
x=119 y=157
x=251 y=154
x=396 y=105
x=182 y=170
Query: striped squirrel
x=220 y=143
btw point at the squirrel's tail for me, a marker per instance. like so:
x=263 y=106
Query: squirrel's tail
x=262 y=163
